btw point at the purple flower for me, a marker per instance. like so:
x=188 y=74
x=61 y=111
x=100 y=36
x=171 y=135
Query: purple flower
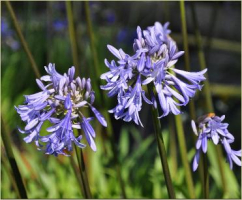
x=210 y=127
x=155 y=54
x=60 y=102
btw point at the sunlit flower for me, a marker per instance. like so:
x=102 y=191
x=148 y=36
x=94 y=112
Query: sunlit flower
x=155 y=54
x=60 y=102
x=210 y=127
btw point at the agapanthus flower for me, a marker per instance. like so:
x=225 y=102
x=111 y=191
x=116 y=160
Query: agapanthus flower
x=60 y=102
x=210 y=127
x=155 y=54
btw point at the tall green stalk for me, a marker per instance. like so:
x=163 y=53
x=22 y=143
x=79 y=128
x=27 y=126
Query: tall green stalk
x=78 y=176
x=206 y=177
x=97 y=73
x=83 y=173
x=22 y=40
x=72 y=35
x=173 y=145
x=184 y=157
x=92 y=38
x=208 y=97
x=5 y=133
x=188 y=68
x=162 y=150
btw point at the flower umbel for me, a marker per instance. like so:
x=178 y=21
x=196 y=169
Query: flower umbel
x=60 y=102
x=210 y=127
x=155 y=54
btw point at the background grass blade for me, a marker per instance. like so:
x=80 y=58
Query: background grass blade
x=21 y=37
x=72 y=35
x=5 y=133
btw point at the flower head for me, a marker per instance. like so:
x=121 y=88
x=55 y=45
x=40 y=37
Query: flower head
x=210 y=127
x=60 y=102
x=155 y=54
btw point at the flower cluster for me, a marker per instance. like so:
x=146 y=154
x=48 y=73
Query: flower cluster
x=60 y=102
x=155 y=54
x=211 y=128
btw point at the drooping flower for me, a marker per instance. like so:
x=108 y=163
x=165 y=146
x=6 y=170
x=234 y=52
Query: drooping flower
x=210 y=127
x=155 y=54
x=60 y=102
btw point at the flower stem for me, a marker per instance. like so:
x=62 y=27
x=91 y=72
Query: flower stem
x=72 y=35
x=173 y=145
x=188 y=68
x=17 y=176
x=184 y=157
x=208 y=97
x=206 y=177
x=84 y=178
x=78 y=176
x=21 y=37
x=115 y=153
x=96 y=73
x=162 y=151
x=92 y=39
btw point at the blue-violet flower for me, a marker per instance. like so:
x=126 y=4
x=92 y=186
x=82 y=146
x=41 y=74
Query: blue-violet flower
x=60 y=102
x=155 y=54
x=210 y=127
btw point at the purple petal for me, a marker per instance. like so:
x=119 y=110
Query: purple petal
x=114 y=51
x=100 y=118
x=31 y=124
x=196 y=161
x=68 y=103
x=40 y=84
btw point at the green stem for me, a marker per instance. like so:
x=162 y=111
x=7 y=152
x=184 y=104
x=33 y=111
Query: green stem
x=96 y=73
x=92 y=39
x=115 y=153
x=83 y=173
x=183 y=151
x=191 y=103
x=162 y=151
x=22 y=40
x=78 y=176
x=206 y=177
x=9 y=173
x=208 y=97
x=72 y=35
x=173 y=145
x=8 y=147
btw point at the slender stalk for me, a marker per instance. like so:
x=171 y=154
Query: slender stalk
x=213 y=19
x=208 y=97
x=96 y=73
x=83 y=173
x=183 y=151
x=92 y=39
x=191 y=103
x=72 y=35
x=115 y=153
x=162 y=151
x=9 y=173
x=22 y=40
x=8 y=147
x=78 y=176
x=206 y=177
x=173 y=147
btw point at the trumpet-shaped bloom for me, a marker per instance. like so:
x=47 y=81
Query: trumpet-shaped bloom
x=60 y=102
x=210 y=127
x=155 y=54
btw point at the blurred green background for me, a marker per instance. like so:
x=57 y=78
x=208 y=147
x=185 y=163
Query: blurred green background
x=45 y=28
